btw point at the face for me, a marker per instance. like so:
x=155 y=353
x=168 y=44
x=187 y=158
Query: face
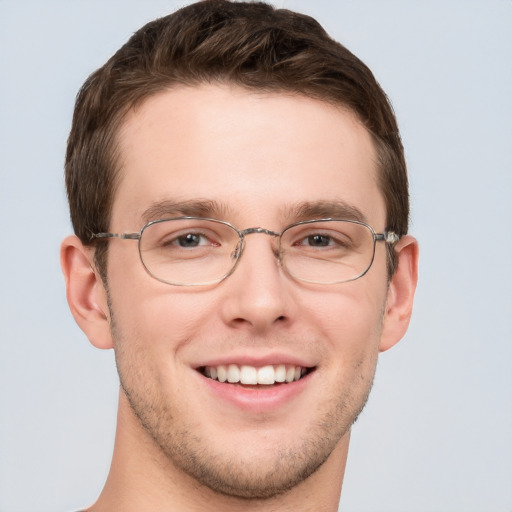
x=253 y=160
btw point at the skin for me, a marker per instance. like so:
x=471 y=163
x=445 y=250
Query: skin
x=179 y=445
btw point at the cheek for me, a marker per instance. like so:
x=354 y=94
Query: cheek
x=164 y=320
x=147 y=310
x=350 y=320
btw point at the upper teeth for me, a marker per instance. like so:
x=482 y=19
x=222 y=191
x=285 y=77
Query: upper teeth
x=251 y=375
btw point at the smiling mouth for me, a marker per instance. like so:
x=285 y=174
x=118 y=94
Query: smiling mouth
x=251 y=375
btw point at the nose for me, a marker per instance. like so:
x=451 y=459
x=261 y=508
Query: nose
x=257 y=295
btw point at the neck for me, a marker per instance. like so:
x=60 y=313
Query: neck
x=142 y=478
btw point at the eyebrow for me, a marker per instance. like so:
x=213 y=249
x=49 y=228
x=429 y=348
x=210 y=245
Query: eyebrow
x=191 y=208
x=326 y=210
x=307 y=210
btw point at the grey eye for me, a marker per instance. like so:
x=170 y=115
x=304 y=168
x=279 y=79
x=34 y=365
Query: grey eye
x=318 y=240
x=189 y=240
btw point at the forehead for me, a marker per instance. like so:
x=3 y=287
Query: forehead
x=250 y=155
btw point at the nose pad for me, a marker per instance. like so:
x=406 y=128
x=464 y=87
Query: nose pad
x=276 y=249
x=237 y=251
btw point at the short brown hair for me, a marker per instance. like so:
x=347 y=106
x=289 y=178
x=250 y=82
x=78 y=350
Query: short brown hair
x=252 y=45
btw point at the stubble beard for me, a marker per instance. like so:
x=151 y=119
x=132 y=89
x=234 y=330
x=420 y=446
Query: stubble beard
x=234 y=475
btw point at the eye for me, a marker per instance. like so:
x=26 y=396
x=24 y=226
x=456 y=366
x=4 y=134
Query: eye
x=186 y=238
x=317 y=240
x=190 y=240
x=320 y=240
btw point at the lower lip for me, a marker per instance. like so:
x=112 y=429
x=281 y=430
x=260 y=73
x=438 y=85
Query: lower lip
x=257 y=399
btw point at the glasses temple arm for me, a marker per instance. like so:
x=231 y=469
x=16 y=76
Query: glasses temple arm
x=390 y=237
x=122 y=236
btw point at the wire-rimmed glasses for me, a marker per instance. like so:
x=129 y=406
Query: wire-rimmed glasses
x=195 y=251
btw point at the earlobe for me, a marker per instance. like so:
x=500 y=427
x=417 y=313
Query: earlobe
x=401 y=293
x=85 y=292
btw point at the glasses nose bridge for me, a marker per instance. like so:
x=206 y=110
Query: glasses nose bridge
x=263 y=231
x=251 y=231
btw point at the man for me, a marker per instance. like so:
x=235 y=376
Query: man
x=239 y=198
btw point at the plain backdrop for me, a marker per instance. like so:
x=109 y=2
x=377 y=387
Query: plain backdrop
x=436 y=435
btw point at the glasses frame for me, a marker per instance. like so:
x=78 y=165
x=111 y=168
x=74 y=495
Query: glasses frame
x=389 y=237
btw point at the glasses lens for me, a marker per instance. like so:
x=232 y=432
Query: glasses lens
x=327 y=252
x=188 y=251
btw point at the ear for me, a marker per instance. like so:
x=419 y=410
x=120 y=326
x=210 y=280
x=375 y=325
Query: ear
x=85 y=292
x=400 y=293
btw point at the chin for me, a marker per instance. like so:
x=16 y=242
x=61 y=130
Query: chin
x=246 y=476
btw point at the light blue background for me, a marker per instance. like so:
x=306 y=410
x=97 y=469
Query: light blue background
x=437 y=432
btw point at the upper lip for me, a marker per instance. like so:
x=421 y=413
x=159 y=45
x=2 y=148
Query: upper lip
x=256 y=360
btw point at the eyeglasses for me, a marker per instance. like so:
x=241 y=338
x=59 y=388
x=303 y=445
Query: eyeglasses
x=195 y=251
